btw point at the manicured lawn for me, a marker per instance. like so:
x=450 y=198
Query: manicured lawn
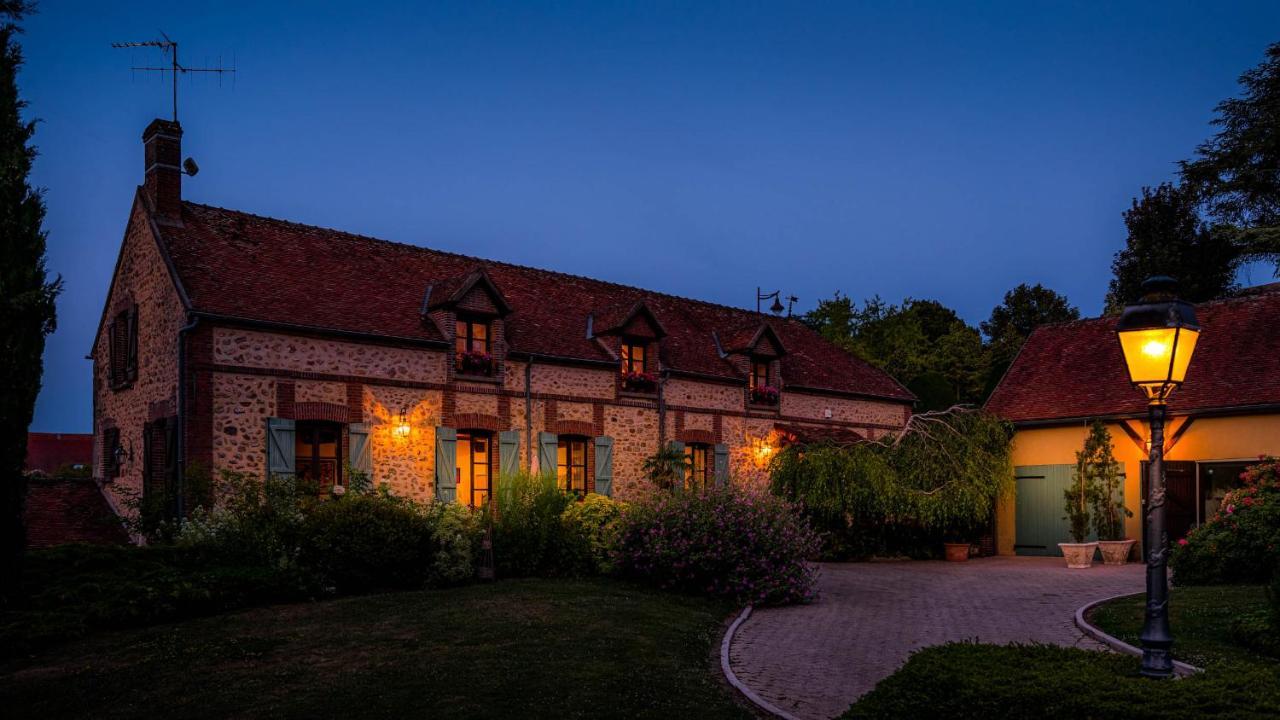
x=517 y=648
x=1201 y=618
x=963 y=680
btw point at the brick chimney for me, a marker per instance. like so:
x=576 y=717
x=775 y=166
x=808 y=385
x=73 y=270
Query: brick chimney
x=162 y=154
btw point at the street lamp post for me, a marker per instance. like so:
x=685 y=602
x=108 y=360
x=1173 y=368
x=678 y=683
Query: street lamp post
x=1157 y=337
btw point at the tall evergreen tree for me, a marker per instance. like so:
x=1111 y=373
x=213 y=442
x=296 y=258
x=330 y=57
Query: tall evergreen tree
x=26 y=293
x=1236 y=173
x=1167 y=237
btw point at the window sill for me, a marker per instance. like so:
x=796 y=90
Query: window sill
x=638 y=394
x=463 y=377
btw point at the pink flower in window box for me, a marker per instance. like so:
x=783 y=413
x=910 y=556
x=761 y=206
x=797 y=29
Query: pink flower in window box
x=639 y=381
x=474 y=362
x=764 y=395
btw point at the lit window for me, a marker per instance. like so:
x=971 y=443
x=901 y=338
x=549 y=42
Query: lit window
x=696 y=454
x=472 y=336
x=760 y=374
x=571 y=465
x=632 y=357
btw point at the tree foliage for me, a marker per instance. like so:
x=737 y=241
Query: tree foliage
x=26 y=294
x=1096 y=462
x=1024 y=308
x=922 y=343
x=1167 y=237
x=943 y=473
x=1236 y=173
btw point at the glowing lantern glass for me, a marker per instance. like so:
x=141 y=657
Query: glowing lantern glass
x=1158 y=336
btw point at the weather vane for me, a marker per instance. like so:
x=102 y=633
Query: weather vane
x=170 y=48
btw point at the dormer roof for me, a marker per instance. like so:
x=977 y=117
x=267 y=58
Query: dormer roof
x=634 y=318
x=450 y=292
x=755 y=338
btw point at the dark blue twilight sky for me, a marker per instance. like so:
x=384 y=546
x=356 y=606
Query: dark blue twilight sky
x=932 y=150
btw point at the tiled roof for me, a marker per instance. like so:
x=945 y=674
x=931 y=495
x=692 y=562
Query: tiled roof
x=1075 y=370
x=49 y=452
x=246 y=266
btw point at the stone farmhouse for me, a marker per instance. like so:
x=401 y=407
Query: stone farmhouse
x=237 y=342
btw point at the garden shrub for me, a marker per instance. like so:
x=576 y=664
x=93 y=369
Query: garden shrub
x=254 y=522
x=1241 y=542
x=723 y=541
x=456 y=531
x=362 y=543
x=903 y=494
x=530 y=537
x=596 y=518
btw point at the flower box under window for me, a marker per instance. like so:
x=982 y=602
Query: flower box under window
x=644 y=382
x=474 y=362
x=764 y=395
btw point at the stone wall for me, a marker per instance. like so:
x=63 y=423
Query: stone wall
x=844 y=410
x=251 y=348
x=141 y=278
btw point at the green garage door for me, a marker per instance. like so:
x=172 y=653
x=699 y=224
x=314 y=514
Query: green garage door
x=1041 y=522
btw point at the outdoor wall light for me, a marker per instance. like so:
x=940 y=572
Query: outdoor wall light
x=121 y=455
x=402 y=422
x=1157 y=337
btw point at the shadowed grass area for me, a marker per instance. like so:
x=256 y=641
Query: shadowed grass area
x=518 y=648
x=1202 y=617
x=1042 y=681
x=964 y=681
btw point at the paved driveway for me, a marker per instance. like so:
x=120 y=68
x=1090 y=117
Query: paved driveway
x=815 y=660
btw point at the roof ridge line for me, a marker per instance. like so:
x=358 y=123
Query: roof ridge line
x=503 y=263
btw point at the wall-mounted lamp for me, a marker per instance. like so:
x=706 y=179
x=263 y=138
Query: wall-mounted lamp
x=402 y=422
x=763 y=451
x=122 y=454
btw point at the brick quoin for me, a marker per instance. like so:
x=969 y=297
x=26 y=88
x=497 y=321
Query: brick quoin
x=284 y=399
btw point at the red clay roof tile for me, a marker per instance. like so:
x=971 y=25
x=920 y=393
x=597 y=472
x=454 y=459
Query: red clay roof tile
x=246 y=266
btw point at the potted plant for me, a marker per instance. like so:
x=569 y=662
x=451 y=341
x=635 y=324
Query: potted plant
x=956 y=550
x=1109 y=512
x=1079 y=499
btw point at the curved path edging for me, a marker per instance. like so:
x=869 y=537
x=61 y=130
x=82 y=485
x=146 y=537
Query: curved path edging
x=1116 y=643
x=733 y=679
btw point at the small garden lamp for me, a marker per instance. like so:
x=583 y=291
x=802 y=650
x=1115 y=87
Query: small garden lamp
x=1157 y=336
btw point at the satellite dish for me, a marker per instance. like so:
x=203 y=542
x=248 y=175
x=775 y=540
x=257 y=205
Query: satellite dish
x=189 y=167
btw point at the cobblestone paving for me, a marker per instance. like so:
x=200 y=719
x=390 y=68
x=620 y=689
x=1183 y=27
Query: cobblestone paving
x=815 y=660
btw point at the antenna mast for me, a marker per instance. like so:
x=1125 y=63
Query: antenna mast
x=170 y=48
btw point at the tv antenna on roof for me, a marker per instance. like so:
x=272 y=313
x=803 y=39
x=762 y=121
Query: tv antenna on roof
x=170 y=48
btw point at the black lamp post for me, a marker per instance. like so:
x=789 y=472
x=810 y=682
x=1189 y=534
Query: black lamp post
x=1157 y=336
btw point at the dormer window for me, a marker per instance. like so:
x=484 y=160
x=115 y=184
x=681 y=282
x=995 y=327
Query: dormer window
x=474 y=350
x=760 y=374
x=633 y=357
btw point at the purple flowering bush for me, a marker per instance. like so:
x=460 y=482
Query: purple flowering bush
x=724 y=542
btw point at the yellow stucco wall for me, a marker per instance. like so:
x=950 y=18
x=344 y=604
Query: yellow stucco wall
x=1209 y=439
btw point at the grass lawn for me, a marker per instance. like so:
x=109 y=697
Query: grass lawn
x=964 y=680
x=517 y=648
x=1201 y=618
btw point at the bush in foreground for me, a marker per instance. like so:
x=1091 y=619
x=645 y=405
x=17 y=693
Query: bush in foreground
x=1241 y=542
x=964 y=680
x=724 y=542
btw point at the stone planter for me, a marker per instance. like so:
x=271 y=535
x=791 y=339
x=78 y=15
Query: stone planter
x=1078 y=555
x=956 y=552
x=1115 y=552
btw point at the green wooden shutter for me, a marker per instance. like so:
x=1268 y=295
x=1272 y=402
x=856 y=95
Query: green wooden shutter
x=682 y=469
x=722 y=464
x=604 y=466
x=280 y=446
x=361 y=453
x=548 y=443
x=508 y=453
x=446 y=464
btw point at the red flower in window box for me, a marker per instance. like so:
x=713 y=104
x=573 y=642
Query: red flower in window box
x=764 y=395
x=639 y=381
x=474 y=362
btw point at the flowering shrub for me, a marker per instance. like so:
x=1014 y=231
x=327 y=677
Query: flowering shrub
x=764 y=395
x=1241 y=542
x=596 y=518
x=639 y=381
x=474 y=362
x=723 y=541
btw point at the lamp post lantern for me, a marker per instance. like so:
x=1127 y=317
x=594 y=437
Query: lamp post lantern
x=1157 y=337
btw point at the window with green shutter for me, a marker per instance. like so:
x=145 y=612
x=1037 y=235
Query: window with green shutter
x=446 y=464
x=604 y=466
